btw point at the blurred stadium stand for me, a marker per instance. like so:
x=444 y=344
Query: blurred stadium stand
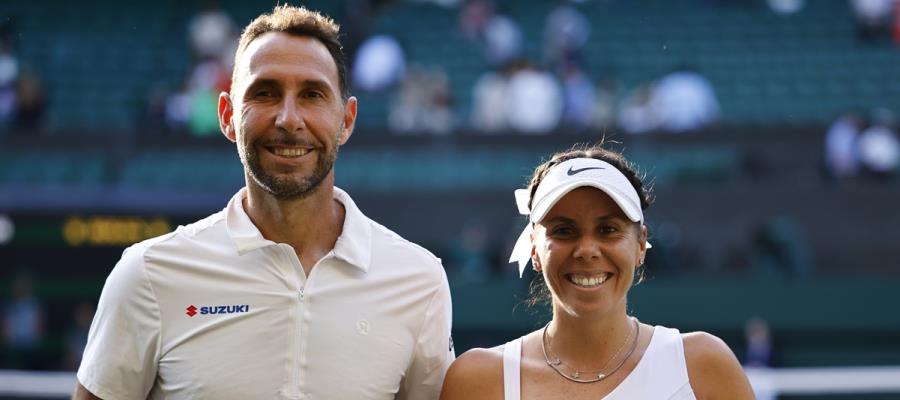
x=746 y=223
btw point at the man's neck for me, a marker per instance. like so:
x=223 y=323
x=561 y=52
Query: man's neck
x=310 y=225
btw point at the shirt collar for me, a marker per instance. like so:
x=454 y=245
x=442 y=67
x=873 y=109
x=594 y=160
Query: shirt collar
x=354 y=245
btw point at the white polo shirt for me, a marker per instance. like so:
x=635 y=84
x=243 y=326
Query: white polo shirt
x=216 y=311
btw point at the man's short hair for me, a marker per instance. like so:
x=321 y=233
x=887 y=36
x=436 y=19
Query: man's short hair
x=298 y=21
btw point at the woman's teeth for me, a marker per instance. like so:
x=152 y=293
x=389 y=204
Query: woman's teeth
x=589 y=281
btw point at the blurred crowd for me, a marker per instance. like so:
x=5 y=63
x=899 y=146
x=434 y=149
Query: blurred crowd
x=518 y=91
x=23 y=103
x=553 y=93
x=862 y=144
x=31 y=338
x=535 y=96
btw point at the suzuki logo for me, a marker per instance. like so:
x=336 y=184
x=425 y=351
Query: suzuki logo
x=191 y=311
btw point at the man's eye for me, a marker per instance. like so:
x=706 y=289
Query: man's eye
x=312 y=94
x=263 y=93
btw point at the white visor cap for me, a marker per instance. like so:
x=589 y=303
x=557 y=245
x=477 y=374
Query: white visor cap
x=579 y=172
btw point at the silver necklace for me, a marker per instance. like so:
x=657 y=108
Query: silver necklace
x=576 y=376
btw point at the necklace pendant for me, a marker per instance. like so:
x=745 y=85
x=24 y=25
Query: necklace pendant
x=575 y=375
x=600 y=376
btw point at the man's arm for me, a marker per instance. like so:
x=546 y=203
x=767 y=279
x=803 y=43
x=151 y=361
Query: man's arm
x=121 y=355
x=83 y=394
x=434 y=349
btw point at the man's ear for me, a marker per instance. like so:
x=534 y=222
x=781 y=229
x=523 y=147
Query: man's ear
x=226 y=113
x=349 y=120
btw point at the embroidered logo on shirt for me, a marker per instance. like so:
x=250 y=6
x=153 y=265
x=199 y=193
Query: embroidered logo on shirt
x=207 y=310
x=362 y=326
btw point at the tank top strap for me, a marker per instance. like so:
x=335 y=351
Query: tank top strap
x=512 y=356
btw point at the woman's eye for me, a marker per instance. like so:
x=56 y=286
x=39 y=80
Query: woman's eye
x=563 y=231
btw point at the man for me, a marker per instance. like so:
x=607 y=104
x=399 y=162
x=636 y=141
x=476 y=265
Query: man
x=290 y=291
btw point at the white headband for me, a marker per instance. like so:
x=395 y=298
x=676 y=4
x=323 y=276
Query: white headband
x=562 y=179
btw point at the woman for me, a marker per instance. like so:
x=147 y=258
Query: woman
x=587 y=238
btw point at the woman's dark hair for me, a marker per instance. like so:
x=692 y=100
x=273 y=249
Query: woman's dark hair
x=540 y=294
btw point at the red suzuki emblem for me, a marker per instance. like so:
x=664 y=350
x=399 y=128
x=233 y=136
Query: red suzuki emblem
x=191 y=310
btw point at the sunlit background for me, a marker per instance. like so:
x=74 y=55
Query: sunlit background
x=767 y=128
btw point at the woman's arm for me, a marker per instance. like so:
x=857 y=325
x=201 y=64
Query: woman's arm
x=475 y=375
x=713 y=369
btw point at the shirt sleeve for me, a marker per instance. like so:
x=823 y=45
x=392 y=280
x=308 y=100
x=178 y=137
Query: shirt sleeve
x=120 y=359
x=434 y=349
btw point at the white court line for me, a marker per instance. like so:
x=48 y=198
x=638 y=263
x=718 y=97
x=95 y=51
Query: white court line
x=820 y=380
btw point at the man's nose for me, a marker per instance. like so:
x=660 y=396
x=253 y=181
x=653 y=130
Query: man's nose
x=290 y=117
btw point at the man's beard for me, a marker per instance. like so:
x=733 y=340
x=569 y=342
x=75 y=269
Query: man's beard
x=286 y=188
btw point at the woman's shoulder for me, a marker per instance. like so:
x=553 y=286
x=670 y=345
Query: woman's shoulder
x=713 y=369
x=476 y=374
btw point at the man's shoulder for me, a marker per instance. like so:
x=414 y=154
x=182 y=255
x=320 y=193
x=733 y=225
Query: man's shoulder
x=180 y=237
x=389 y=246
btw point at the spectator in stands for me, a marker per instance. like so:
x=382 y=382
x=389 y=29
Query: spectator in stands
x=841 y=154
x=758 y=356
x=534 y=101
x=684 y=101
x=758 y=339
x=579 y=97
x=9 y=74
x=606 y=105
x=30 y=103
x=873 y=18
x=489 y=101
x=474 y=17
x=585 y=237
x=194 y=107
x=878 y=147
x=380 y=63
x=212 y=33
x=423 y=105
x=566 y=31
x=502 y=39
x=636 y=114
x=896 y=23
x=23 y=324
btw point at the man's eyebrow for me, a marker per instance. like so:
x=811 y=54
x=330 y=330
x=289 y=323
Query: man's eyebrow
x=306 y=83
x=262 y=82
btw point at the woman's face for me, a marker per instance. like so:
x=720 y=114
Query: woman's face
x=587 y=250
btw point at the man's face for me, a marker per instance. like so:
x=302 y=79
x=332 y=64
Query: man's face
x=286 y=114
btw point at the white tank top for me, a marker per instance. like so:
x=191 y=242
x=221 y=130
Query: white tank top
x=661 y=372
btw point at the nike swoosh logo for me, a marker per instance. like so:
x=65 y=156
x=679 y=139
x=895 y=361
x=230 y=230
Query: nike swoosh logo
x=571 y=171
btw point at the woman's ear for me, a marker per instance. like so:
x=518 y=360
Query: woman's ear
x=535 y=261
